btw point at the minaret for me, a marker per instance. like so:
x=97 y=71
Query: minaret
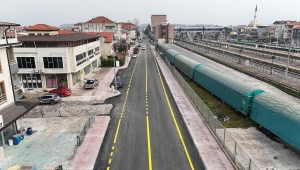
x=254 y=24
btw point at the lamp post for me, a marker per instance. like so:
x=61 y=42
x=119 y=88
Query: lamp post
x=273 y=57
x=288 y=61
x=115 y=73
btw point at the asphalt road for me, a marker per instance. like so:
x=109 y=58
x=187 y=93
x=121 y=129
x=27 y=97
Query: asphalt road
x=146 y=130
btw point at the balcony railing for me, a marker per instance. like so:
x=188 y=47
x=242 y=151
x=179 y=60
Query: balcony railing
x=2 y=97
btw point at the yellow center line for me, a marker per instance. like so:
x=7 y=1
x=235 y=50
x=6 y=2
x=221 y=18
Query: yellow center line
x=121 y=116
x=174 y=119
x=147 y=121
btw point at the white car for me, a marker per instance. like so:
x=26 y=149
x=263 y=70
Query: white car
x=143 y=47
x=133 y=55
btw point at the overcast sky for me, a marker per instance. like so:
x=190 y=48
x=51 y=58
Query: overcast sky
x=218 y=12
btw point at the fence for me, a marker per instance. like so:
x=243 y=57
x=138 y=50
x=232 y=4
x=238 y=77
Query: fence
x=233 y=149
x=87 y=125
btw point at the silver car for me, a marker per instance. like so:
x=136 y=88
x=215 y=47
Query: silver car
x=91 y=83
x=49 y=98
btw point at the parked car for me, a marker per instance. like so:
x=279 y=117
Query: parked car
x=91 y=83
x=133 y=55
x=118 y=83
x=49 y=98
x=62 y=91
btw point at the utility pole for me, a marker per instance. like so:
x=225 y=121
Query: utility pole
x=288 y=61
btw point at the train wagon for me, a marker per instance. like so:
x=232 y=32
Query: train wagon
x=186 y=65
x=171 y=55
x=233 y=92
x=277 y=116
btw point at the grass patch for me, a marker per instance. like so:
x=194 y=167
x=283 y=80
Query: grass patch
x=218 y=107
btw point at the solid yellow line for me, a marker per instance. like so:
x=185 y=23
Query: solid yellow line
x=115 y=140
x=149 y=144
x=174 y=119
x=146 y=77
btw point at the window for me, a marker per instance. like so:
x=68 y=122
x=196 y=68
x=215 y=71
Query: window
x=2 y=92
x=91 y=53
x=80 y=58
x=97 y=50
x=53 y=62
x=26 y=62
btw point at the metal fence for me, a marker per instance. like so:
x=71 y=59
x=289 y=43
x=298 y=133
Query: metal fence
x=87 y=125
x=233 y=149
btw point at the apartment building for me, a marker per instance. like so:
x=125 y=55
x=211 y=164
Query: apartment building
x=11 y=109
x=47 y=59
x=99 y=24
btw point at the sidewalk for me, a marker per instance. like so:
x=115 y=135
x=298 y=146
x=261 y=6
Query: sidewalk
x=87 y=153
x=209 y=149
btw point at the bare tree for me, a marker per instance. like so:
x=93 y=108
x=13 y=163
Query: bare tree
x=135 y=21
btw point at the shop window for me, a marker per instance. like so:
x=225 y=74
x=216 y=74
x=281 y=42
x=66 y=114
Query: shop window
x=31 y=81
x=53 y=62
x=26 y=62
x=2 y=92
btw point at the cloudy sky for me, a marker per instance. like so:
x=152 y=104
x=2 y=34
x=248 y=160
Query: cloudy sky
x=218 y=12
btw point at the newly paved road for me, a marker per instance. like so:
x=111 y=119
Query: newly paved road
x=146 y=130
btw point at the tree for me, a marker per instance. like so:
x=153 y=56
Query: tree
x=147 y=30
x=135 y=21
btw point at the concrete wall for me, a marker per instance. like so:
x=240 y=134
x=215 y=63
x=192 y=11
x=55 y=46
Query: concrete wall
x=171 y=31
x=5 y=77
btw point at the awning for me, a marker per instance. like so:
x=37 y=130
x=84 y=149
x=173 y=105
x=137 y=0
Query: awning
x=14 y=111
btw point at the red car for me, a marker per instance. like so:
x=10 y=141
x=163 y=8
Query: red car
x=62 y=91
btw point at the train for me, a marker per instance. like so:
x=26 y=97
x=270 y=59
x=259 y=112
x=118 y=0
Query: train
x=266 y=45
x=277 y=116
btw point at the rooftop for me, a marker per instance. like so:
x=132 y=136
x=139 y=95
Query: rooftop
x=5 y=24
x=41 y=27
x=108 y=35
x=100 y=19
x=57 y=38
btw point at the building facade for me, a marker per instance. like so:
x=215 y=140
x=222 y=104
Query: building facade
x=99 y=24
x=11 y=109
x=161 y=29
x=52 y=61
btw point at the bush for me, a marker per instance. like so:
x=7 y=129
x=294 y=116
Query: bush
x=109 y=62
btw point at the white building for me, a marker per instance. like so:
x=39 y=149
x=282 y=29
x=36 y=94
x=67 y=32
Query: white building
x=49 y=60
x=283 y=29
x=10 y=109
x=99 y=24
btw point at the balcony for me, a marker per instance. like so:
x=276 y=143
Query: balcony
x=2 y=98
x=13 y=67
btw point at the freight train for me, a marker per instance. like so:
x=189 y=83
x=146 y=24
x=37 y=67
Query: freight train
x=279 y=117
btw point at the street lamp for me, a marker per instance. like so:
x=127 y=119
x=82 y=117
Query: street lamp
x=115 y=74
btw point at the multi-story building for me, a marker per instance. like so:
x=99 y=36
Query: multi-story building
x=296 y=34
x=99 y=24
x=162 y=29
x=48 y=60
x=283 y=29
x=10 y=90
x=132 y=34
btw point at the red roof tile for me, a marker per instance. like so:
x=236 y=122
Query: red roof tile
x=109 y=36
x=100 y=19
x=41 y=27
x=66 y=32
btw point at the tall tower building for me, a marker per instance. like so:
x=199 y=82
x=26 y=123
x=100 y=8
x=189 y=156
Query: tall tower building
x=254 y=25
